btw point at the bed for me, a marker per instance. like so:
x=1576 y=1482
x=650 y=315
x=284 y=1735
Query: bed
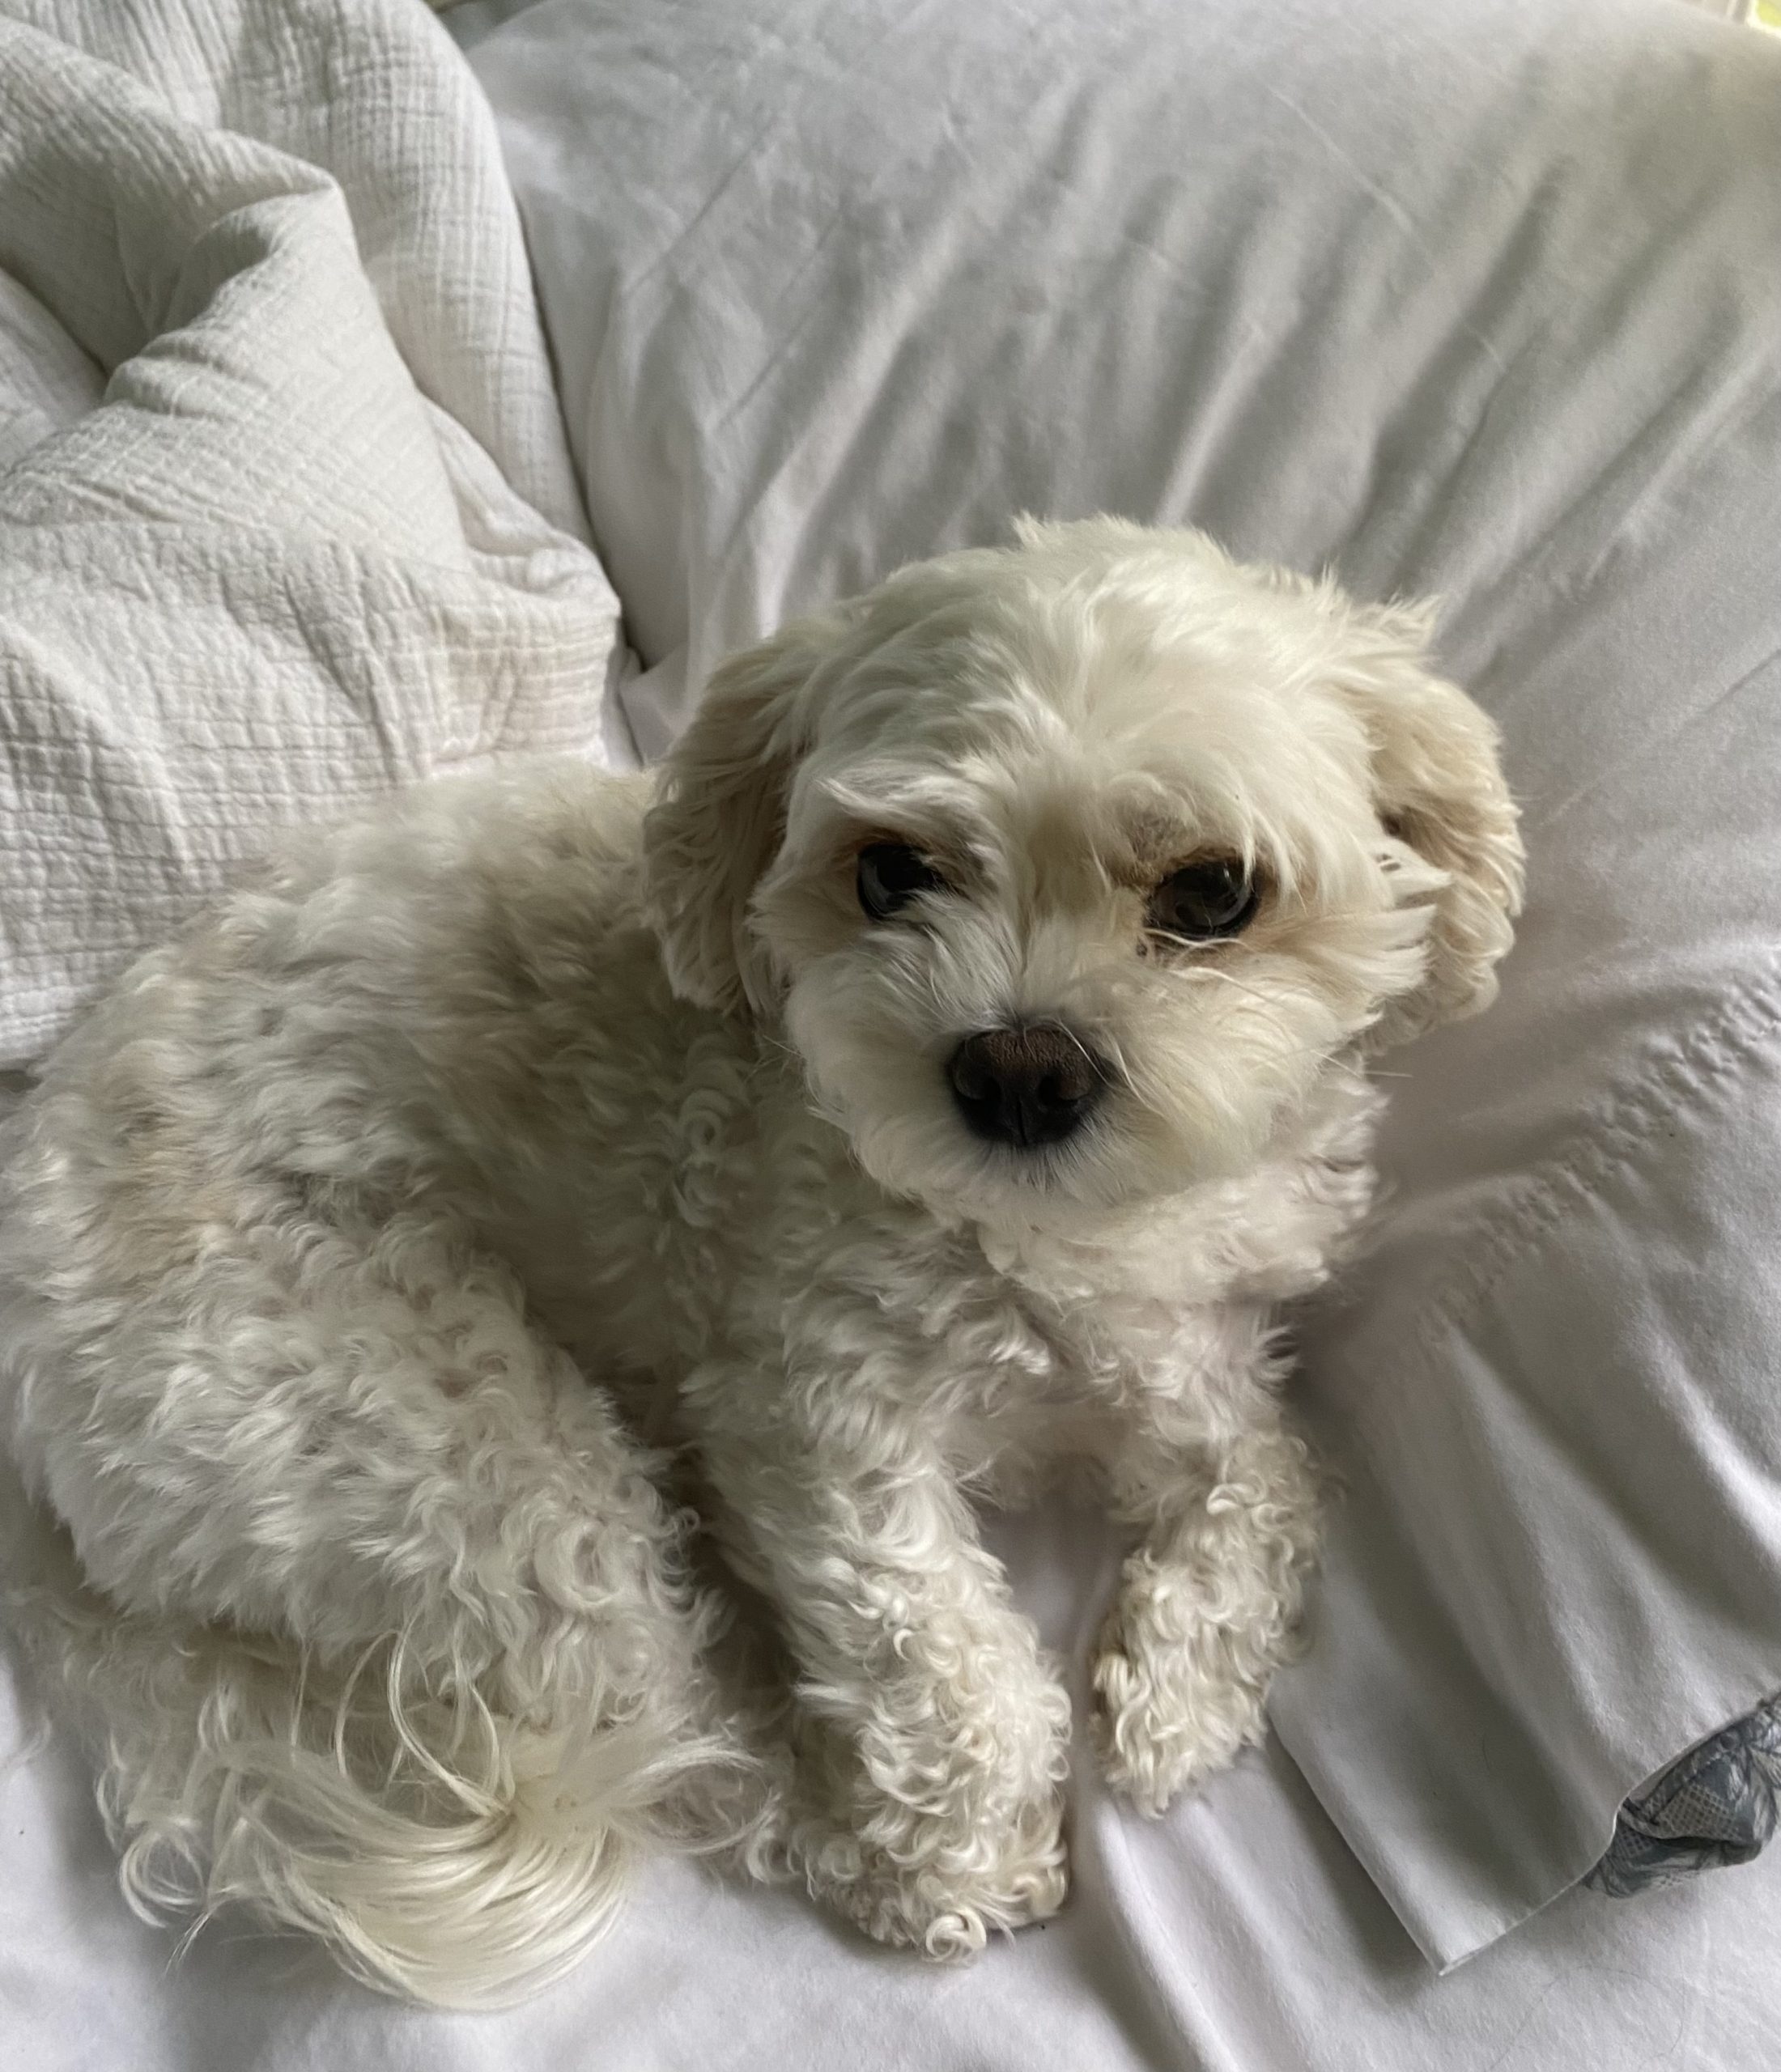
x=379 y=398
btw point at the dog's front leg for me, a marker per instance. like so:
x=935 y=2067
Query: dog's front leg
x=1208 y=1603
x=935 y=1741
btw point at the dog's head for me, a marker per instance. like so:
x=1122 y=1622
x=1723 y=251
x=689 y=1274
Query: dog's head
x=1067 y=870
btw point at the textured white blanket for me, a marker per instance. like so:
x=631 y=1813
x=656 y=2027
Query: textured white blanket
x=286 y=513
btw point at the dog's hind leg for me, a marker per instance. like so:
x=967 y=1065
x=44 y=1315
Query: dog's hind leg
x=381 y=1622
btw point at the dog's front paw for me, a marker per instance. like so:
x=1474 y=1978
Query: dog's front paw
x=946 y=1900
x=1176 y=1695
x=934 y=1802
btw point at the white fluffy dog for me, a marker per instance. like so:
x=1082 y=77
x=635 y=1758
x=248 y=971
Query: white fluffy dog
x=942 y=1071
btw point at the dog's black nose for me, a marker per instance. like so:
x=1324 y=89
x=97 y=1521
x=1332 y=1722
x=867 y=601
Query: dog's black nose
x=1025 y=1086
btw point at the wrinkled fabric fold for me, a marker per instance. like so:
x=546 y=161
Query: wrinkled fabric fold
x=289 y=517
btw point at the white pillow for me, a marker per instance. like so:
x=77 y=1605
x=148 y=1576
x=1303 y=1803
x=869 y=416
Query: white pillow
x=1478 y=301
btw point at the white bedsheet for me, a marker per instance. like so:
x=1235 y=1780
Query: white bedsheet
x=1240 y=1932
x=1239 y=1935
x=1473 y=298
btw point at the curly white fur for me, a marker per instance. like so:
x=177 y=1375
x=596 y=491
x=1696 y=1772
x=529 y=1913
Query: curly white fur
x=314 y=1237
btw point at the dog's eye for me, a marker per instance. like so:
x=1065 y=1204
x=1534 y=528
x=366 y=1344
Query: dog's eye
x=1205 y=901
x=890 y=875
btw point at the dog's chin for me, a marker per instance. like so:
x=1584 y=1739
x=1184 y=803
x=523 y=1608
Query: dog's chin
x=1044 y=1187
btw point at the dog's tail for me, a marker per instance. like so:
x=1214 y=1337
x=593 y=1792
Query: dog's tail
x=443 y=1851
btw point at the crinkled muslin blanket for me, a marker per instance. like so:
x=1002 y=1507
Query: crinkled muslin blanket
x=321 y=533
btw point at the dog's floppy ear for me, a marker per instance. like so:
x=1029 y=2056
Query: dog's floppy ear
x=1439 y=790
x=720 y=815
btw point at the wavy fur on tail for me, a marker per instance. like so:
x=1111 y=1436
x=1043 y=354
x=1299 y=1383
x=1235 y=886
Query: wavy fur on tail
x=443 y=1851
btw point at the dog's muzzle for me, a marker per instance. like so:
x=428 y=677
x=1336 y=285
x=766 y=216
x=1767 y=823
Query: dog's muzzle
x=1025 y=1086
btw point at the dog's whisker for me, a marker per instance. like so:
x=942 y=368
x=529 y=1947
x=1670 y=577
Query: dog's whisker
x=1268 y=1012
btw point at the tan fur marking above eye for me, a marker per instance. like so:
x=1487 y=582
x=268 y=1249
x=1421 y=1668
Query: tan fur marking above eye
x=1133 y=874
x=1209 y=852
x=1151 y=839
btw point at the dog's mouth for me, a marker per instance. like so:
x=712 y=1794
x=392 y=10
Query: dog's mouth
x=1026 y=1087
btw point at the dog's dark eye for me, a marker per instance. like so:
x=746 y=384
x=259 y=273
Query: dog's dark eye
x=1203 y=902
x=890 y=875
